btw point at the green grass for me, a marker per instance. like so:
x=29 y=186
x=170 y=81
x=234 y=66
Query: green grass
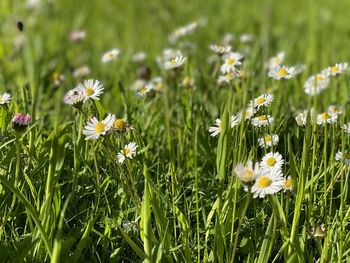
x=65 y=199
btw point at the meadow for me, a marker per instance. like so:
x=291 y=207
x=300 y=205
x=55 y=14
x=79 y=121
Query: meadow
x=174 y=131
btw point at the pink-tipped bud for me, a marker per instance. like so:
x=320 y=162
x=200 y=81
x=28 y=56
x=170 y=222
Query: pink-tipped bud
x=20 y=121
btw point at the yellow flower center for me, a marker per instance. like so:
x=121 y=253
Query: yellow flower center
x=325 y=116
x=1 y=100
x=334 y=69
x=230 y=61
x=110 y=55
x=277 y=60
x=89 y=91
x=187 y=81
x=288 y=184
x=248 y=174
x=173 y=62
x=126 y=150
x=100 y=127
x=119 y=124
x=271 y=161
x=282 y=72
x=260 y=101
x=229 y=75
x=264 y=181
x=268 y=138
x=319 y=77
x=262 y=118
x=56 y=76
x=159 y=86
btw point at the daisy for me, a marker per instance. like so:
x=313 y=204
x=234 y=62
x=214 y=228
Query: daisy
x=81 y=72
x=158 y=84
x=182 y=31
x=20 y=121
x=247 y=113
x=93 y=89
x=302 y=117
x=175 y=62
x=276 y=60
x=129 y=151
x=5 y=98
x=337 y=69
x=246 y=38
x=75 y=97
x=167 y=54
x=263 y=120
x=325 y=118
x=268 y=140
x=272 y=160
x=232 y=60
x=220 y=49
x=216 y=129
x=142 y=92
x=235 y=120
x=110 y=55
x=346 y=127
x=340 y=156
x=95 y=128
x=263 y=101
x=188 y=82
x=335 y=109
x=247 y=174
x=288 y=184
x=121 y=125
x=75 y=36
x=227 y=39
x=269 y=182
x=226 y=78
x=315 y=84
x=281 y=72
x=57 y=79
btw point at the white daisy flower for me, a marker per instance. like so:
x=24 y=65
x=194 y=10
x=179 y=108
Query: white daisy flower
x=346 y=127
x=142 y=92
x=93 y=89
x=343 y=156
x=232 y=60
x=226 y=78
x=110 y=55
x=216 y=129
x=246 y=38
x=302 y=117
x=227 y=39
x=288 y=184
x=281 y=72
x=139 y=57
x=272 y=160
x=83 y=71
x=325 y=118
x=175 y=62
x=248 y=173
x=337 y=69
x=220 y=49
x=158 y=84
x=248 y=113
x=5 y=98
x=235 y=120
x=75 y=97
x=335 y=109
x=268 y=183
x=263 y=100
x=276 y=60
x=263 y=120
x=182 y=31
x=167 y=54
x=315 y=84
x=95 y=128
x=188 y=82
x=268 y=140
x=129 y=151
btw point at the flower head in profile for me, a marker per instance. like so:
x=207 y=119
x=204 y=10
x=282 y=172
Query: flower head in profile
x=263 y=100
x=183 y=31
x=269 y=182
x=95 y=128
x=220 y=49
x=336 y=70
x=316 y=84
x=301 y=118
x=216 y=129
x=276 y=60
x=75 y=97
x=272 y=160
x=235 y=120
x=282 y=72
x=120 y=125
x=268 y=141
x=231 y=61
x=326 y=117
x=346 y=127
x=174 y=63
x=335 y=109
x=81 y=72
x=263 y=120
x=5 y=99
x=188 y=82
x=144 y=90
x=92 y=88
x=129 y=151
x=20 y=121
x=247 y=173
x=158 y=84
x=110 y=55
x=343 y=156
x=288 y=184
